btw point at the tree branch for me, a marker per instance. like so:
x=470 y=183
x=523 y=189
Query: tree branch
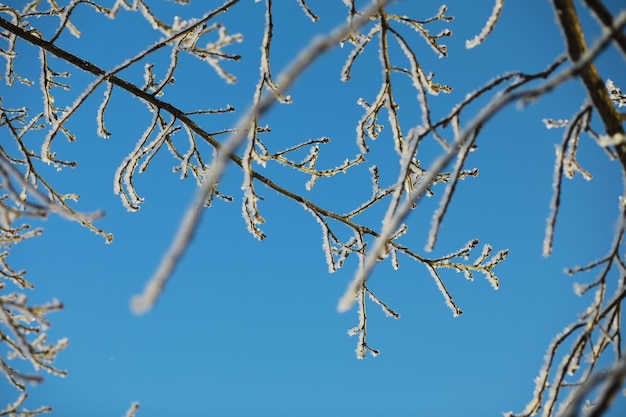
x=606 y=18
x=576 y=47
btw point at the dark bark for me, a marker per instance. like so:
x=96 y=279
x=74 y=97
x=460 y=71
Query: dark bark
x=596 y=89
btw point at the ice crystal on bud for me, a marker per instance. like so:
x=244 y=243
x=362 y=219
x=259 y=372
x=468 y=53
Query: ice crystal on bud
x=579 y=289
x=616 y=139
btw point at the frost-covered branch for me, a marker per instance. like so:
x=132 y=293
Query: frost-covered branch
x=28 y=194
x=155 y=285
x=577 y=47
x=489 y=26
x=598 y=328
x=397 y=214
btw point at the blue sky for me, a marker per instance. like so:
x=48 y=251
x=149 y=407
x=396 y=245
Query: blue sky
x=249 y=328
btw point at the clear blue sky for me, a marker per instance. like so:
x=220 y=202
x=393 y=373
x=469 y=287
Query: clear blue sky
x=249 y=328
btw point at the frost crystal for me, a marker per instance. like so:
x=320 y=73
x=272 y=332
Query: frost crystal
x=615 y=93
x=553 y=124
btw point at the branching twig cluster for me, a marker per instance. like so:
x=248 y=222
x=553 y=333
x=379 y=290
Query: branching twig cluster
x=585 y=340
x=201 y=153
x=564 y=388
x=23 y=325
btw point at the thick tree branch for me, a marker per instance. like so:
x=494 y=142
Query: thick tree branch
x=576 y=47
